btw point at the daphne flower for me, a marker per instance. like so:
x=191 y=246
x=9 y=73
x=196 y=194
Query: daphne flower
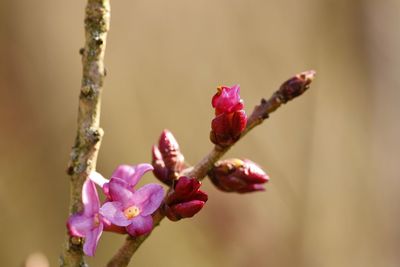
x=88 y=224
x=132 y=209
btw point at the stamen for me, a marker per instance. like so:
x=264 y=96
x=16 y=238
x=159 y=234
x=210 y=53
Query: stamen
x=131 y=212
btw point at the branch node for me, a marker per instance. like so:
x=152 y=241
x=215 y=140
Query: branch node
x=70 y=170
x=79 y=168
x=88 y=91
x=94 y=134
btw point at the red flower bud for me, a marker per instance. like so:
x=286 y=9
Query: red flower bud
x=185 y=200
x=184 y=210
x=235 y=175
x=167 y=159
x=230 y=120
x=296 y=85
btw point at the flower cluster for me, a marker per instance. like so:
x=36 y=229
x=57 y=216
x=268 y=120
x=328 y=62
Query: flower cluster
x=125 y=210
x=231 y=119
x=235 y=175
x=129 y=211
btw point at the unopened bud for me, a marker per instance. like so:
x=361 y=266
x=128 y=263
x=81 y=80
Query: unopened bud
x=235 y=175
x=185 y=200
x=231 y=119
x=167 y=159
x=296 y=85
x=169 y=149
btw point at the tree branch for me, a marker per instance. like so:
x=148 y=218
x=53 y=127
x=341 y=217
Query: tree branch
x=289 y=90
x=87 y=142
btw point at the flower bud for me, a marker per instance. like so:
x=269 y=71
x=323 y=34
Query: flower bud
x=167 y=159
x=235 y=175
x=227 y=99
x=185 y=199
x=231 y=119
x=296 y=85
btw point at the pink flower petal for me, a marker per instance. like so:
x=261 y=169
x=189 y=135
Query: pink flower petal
x=113 y=211
x=123 y=172
x=131 y=174
x=79 y=225
x=148 y=198
x=140 y=225
x=140 y=170
x=120 y=191
x=90 y=199
x=92 y=239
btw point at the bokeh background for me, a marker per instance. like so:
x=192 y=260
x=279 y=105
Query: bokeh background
x=332 y=155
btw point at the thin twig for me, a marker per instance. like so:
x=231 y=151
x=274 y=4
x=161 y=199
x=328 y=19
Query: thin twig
x=289 y=90
x=87 y=142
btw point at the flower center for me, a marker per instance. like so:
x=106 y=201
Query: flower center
x=131 y=212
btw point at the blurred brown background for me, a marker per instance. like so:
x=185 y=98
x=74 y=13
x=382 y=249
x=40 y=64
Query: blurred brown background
x=331 y=154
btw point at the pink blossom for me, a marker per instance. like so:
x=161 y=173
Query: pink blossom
x=132 y=209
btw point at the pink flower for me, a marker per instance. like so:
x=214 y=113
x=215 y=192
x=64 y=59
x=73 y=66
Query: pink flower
x=88 y=224
x=126 y=207
x=132 y=209
x=241 y=176
x=185 y=200
x=231 y=119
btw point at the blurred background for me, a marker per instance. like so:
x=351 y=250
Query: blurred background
x=333 y=198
